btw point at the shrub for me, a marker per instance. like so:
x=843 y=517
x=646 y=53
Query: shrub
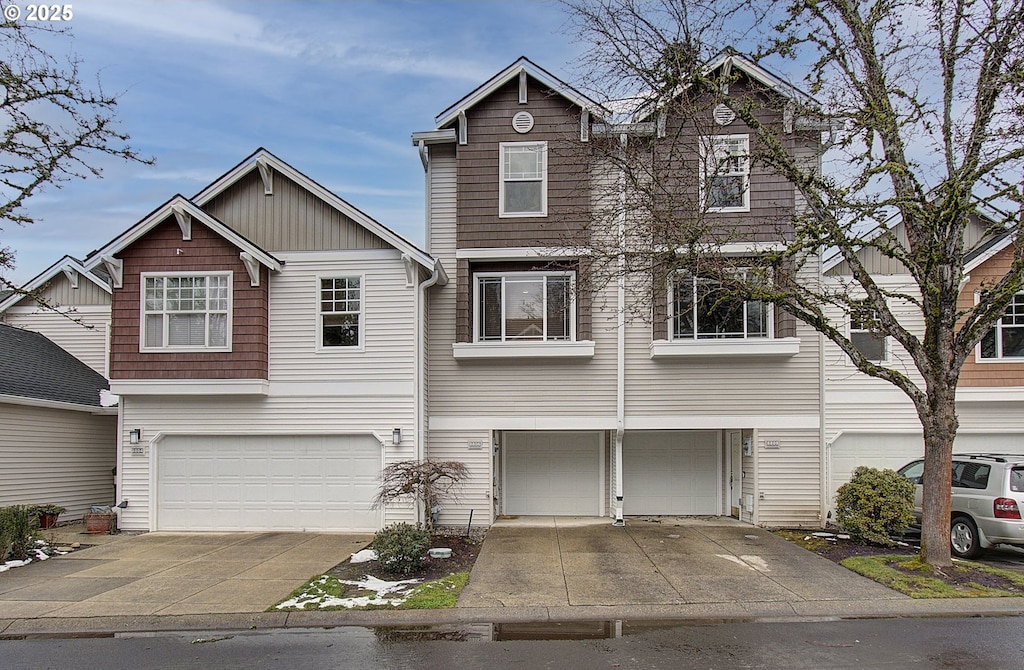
x=875 y=504
x=401 y=548
x=17 y=523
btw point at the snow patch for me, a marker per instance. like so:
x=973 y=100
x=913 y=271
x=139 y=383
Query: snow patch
x=315 y=597
x=363 y=556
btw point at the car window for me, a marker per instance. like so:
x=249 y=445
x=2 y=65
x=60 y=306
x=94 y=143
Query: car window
x=913 y=471
x=1017 y=480
x=971 y=475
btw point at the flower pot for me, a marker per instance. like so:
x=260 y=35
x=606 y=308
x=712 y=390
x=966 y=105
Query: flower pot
x=99 y=523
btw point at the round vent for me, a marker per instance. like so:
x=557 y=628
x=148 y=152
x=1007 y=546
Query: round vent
x=522 y=122
x=723 y=115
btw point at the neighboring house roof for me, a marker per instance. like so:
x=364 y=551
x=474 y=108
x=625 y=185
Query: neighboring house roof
x=70 y=266
x=267 y=162
x=34 y=367
x=533 y=70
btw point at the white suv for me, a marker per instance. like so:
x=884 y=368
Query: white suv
x=988 y=496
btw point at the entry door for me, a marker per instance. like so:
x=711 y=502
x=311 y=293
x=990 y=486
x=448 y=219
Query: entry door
x=735 y=487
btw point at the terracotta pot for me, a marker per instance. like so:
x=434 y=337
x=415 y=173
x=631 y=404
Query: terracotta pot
x=47 y=520
x=99 y=523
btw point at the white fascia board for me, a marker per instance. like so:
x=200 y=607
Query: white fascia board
x=56 y=404
x=989 y=253
x=428 y=137
x=196 y=387
x=519 y=253
x=49 y=273
x=512 y=71
x=136 y=232
x=488 y=423
x=991 y=394
x=381 y=231
x=723 y=422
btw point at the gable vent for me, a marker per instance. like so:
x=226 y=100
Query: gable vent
x=723 y=115
x=522 y=122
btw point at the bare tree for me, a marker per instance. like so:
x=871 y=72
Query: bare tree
x=54 y=128
x=919 y=105
x=428 y=483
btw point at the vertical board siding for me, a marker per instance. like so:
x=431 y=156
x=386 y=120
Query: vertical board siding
x=58 y=292
x=56 y=456
x=85 y=339
x=292 y=219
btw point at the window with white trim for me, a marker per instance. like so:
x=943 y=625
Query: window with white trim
x=865 y=336
x=186 y=312
x=524 y=179
x=1006 y=339
x=699 y=309
x=725 y=177
x=341 y=312
x=524 y=306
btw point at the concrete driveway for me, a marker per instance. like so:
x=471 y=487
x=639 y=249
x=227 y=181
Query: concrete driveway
x=560 y=561
x=172 y=573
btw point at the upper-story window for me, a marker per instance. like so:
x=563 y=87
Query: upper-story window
x=524 y=179
x=1006 y=339
x=341 y=312
x=701 y=310
x=524 y=306
x=725 y=179
x=186 y=312
x=865 y=336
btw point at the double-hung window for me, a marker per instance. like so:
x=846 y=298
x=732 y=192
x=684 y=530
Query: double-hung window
x=725 y=177
x=1006 y=339
x=524 y=179
x=700 y=309
x=869 y=342
x=341 y=313
x=186 y=312
x=524 y=306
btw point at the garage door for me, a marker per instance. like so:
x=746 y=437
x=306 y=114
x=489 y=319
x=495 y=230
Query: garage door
x=288 y=483
x=552 y=473
x=671 y=472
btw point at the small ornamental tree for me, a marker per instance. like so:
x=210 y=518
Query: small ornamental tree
x=429 y=482
x=875 y=504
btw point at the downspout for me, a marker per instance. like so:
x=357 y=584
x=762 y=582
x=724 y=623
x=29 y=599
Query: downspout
x=620 y=365
x=822 y=417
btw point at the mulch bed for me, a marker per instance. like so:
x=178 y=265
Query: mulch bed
x=464 y=553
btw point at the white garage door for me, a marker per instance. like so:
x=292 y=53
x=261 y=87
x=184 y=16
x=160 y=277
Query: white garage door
x=261 y=482
x=671 y=472
x=552 y=473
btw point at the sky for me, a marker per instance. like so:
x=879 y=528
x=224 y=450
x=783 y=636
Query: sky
x=333 y=88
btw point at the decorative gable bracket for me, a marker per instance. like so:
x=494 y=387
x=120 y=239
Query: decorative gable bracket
x=266 y=174
x=463 y=130
x=72 y=275
x=184 y=220
x=252 y=266
x=522 y=87
x=411 y=270
x=114 y=268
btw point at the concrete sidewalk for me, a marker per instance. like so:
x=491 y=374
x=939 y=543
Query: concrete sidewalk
x=529 y=570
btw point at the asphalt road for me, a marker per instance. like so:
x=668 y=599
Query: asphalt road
x=974 y=644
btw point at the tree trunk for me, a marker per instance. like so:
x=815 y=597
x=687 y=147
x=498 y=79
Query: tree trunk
x=940 y=426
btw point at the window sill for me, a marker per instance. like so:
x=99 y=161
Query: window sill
x=777 y=348
x=189 y=386
x=484 y=350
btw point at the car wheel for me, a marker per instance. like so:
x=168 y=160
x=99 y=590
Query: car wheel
x=963 y=538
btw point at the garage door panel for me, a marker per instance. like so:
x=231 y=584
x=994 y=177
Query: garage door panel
x=552 y=473
x=671 y=472
x=267 y=483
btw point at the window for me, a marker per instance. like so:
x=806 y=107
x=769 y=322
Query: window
x=701 y=310
x=725 y=181
x=970 y=475
x=341 y=312
x=524 y=179
x=182 y=312
x=870 y=343
x=527 y=306
x=1006 y=339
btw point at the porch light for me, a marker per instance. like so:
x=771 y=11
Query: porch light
x=134 y=435
x=396 y=436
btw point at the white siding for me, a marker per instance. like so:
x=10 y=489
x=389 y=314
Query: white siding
x=474 y=448
x=87 y=340
x=788 y=478
x=56 y=456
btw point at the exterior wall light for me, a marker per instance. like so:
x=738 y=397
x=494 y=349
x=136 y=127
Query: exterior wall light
x=134 y=435
x=396 y=436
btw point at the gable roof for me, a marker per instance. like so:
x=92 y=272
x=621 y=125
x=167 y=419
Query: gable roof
x=261 y=159
x=179 y=204
x=67 y=264
x=36 y=368
x=523 y=64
